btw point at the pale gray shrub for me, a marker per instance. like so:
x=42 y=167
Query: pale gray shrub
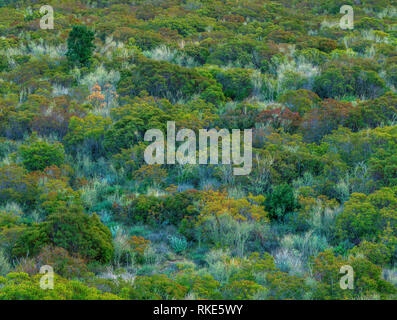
x=91 y=192
x=184 y=186
x=372 y=36
x=236 y=192
x=161 y=53
x=257 y=82
x=58 y=90
x=99 y=169
x=306 y=181
x=151 y=256
x=342 y=189
x=114 y=229
x=209 y=184
x=220 y=265
x=12 y=207
x=155 y=190
x=261 y=294
x=216 y=255
x=164 y=53
x=122 y=252
x=41 y=48
x=360 y=178
x=105 y=216
x=308 y=245
x=36 y=216
x=290 y=261
x=390 y=275
x=226 y=173
x=260 y=179
x=322 y=220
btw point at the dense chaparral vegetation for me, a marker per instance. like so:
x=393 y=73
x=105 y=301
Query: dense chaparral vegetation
x=76 y=193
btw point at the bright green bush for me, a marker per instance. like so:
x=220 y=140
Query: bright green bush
x=40 y=154
x=21 y=286
x=80 y=46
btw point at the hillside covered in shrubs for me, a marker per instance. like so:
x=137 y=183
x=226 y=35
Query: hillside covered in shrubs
x=76 y=193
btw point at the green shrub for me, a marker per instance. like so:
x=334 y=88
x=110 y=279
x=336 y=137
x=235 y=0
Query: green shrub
x=5 y=266
x=75 y=231
x=280 y=202
x=21 y=286
x=178 y=244
x=40 y=154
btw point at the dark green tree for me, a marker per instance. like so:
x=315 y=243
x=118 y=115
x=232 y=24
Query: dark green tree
x=80 y=46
